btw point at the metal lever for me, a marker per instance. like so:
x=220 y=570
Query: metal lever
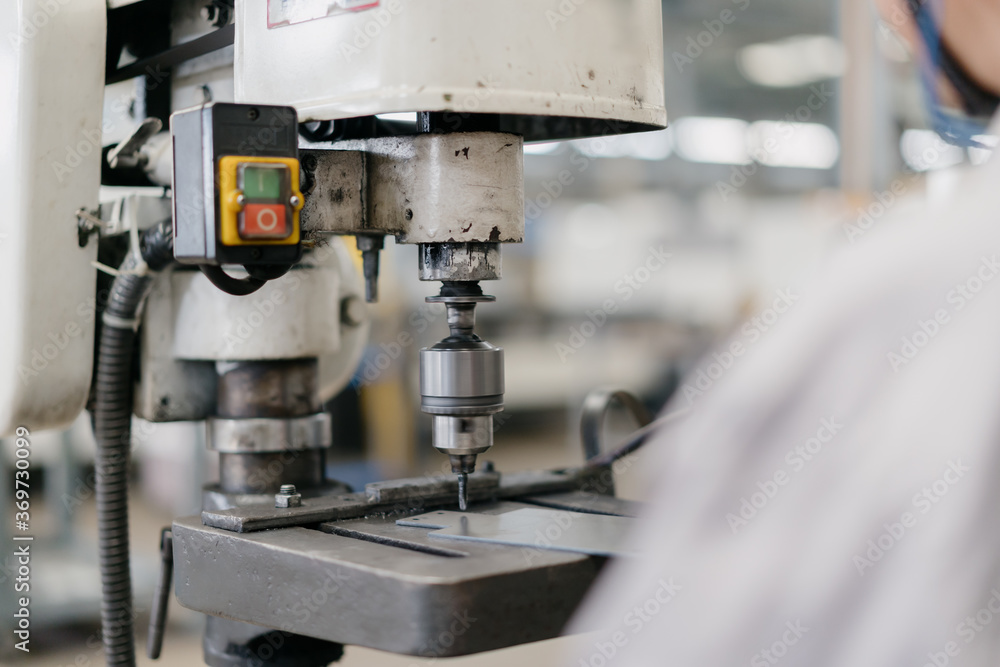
x=161 y=597
x=595 y=409
x=126 y=154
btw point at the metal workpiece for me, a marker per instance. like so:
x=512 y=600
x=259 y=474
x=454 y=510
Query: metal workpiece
x=452 y=188
x=594 y=534
x=269 y=434
x=403 y=495
x=215 y=499
x=459 y=261
x=380 y=585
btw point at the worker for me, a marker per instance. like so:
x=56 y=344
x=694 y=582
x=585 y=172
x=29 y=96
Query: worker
x=833 y=495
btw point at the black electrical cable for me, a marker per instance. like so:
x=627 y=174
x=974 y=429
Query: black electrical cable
x=595 y=409
x=267 y=271
x=230 y=285
x=634 y=441
x=112 y=430
x=157 y=245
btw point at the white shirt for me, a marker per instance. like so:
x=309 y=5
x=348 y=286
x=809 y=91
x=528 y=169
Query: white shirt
x=834 y=497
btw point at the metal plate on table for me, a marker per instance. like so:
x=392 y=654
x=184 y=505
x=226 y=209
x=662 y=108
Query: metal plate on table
x=552 y=529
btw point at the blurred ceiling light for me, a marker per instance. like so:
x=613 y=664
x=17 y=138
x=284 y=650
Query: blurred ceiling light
x=924 y=150
x=643 y=146
x=714 y=140
x=542 y=148
x=802 y=145
x=795 y=61
x=407 y=116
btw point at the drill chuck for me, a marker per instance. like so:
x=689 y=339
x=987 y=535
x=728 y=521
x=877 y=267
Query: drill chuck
x=461 y=384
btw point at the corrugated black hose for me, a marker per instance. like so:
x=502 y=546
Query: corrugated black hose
x=112 y=430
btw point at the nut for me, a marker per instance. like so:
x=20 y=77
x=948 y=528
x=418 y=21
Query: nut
x=287 y=497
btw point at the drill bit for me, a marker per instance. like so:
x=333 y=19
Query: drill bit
x=463 y=491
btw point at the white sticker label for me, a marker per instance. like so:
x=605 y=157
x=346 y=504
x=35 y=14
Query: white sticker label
x=289 y=12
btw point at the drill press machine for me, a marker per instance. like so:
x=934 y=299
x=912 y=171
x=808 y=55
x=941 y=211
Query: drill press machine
x=247 y=315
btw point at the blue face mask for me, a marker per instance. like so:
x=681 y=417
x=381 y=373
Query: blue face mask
x=978 y=104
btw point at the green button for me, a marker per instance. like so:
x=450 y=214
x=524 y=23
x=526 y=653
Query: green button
x=262 y=182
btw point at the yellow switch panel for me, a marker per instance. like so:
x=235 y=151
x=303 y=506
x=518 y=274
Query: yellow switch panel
x=259 y=200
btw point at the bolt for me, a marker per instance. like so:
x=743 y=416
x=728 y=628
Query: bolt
x=287 y=496
x=241 y=199
x=294 y=201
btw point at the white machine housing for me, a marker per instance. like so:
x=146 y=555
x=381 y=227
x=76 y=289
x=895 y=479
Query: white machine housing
x=51 y=94
x=598 y=59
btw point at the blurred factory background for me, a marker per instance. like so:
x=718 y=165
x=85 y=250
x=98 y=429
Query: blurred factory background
x=794 y=125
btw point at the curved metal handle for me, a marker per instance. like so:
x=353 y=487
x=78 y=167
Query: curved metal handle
x=161 y=598
x=595 y=410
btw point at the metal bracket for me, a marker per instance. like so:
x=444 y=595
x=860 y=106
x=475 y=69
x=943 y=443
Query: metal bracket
x=425 y=188
x=87 y=224
x=405 y=495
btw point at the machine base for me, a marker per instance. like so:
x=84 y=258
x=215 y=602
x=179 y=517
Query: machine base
x=370 y=582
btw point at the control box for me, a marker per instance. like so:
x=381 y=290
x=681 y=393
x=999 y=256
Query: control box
x=236 y=193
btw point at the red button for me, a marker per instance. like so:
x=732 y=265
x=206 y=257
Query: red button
x=264 y=221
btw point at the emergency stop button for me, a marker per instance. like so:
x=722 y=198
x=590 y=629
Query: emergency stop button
x=264 y=221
